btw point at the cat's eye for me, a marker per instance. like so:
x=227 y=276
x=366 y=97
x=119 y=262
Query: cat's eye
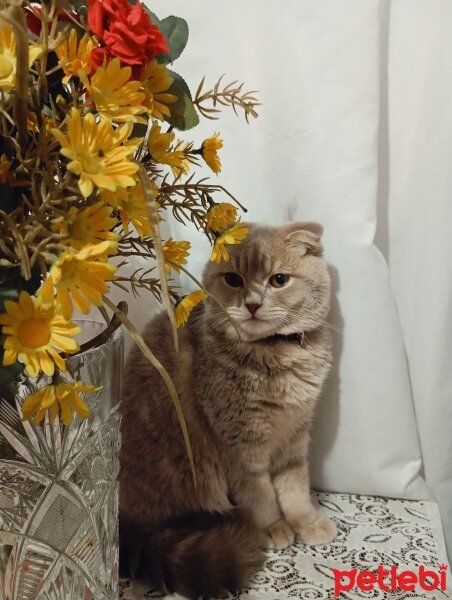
x=279 y=280
x=233 y=280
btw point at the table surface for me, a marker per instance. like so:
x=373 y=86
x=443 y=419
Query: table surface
x=373 y=531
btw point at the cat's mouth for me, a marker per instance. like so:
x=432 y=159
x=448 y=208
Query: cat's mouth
x=254 y=319
x=254 y=324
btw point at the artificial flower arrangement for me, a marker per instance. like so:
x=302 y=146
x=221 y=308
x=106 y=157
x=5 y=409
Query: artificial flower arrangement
x=92 y=155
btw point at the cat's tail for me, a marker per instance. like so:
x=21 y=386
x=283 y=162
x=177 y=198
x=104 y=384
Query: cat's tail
x=205 y=554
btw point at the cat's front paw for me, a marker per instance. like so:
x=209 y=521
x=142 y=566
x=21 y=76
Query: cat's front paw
x=321 y=530
x=279 y=535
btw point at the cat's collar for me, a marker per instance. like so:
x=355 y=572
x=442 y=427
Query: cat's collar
x=298 y=337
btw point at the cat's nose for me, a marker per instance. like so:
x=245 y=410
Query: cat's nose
x=253 y=308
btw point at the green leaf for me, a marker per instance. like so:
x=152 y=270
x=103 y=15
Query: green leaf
x=154 y=17
x=14 y=283
x=10 y=372
x=175 y=29
x=183 y=113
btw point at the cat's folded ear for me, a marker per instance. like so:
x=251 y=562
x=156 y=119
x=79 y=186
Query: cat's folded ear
x=305 y=234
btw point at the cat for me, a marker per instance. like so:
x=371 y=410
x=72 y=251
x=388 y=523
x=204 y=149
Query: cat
x=248 y=391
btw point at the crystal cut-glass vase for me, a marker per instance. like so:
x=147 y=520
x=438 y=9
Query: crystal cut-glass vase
x=59 y=490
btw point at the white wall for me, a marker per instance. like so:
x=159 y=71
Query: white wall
x=355 y=132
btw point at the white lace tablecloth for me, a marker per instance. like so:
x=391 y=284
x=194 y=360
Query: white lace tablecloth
x=372 y=531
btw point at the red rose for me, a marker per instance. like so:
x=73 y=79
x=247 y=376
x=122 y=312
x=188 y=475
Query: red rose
x=33 y=21
x=32 y=13
x=125 y=31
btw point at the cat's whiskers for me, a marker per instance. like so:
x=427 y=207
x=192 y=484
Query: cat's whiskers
x=328 y=324
x=333 y=327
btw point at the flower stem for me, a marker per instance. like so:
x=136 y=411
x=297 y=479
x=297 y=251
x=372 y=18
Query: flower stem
x=214 y=298
x=158 y=247
x=153 y=360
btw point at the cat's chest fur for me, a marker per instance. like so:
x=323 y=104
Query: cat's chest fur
x=264 y=396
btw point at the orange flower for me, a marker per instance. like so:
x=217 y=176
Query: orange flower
x=186 y=305
x=209 y=151
x=175 y=254
x=234 y=235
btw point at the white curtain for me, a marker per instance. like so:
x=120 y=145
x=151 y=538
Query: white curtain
x=355 y=132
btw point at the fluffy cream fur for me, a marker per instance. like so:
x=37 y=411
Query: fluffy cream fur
x=248 y=399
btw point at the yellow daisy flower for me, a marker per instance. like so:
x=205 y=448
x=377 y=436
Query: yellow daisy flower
x=159 y=145
x=209 y=150
x=97 y=152
x=63 y=397
x=35 y=335
x=156 y=82
x=115 y=96
x=175 y=254
x=186 y=305
x=88 y=226
x=220 y=216
x=132 y=208
x=8 y=57
x=183 y=168
x=75 y=56
x=234 y=235
x=80 y=278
